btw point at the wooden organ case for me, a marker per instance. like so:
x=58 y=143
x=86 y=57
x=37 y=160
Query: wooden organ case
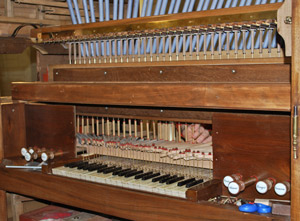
x=130 y=91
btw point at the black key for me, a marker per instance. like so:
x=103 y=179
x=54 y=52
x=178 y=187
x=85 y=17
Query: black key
x=150 y=176
x=167 y=178
x=78 y=164
x=107 y=168
x=112 y=170
x=160 y=178
x=72 y=164
x=126 y=172
x=175 y=180
x=194 y=183
x=95 y=167
x=184 y=182
x=102 y=169
x=142 y=175
x=134 y=173
x=120 y=171
x=82 y=165
x=88 y=166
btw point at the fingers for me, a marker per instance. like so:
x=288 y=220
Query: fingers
x=204 y=135
x=207 y=140
x=198 y=133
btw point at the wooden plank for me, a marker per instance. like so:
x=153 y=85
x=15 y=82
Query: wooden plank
x=116 y=201
x=249 y=96
x=13 y=125
x=266 y=73
x=9 y=9
x=17 y=20
x=255 y=61
x=51 y=126
x=205 y=191
x=168 y=114
x=295 y=94
x=252 y=144
x=43 y=2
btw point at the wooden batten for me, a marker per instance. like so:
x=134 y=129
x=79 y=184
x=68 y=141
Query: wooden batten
x=262 y=96
x=262 y=73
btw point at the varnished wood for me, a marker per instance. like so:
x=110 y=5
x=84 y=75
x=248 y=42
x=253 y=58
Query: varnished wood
x=157 y=94
x=13 y=125
x=295 y=96
x=252 y=144
x=205 y=191
x=168 y=114
x=115 y=201
x=235 y=62
x=52 y=127
x=266 y=73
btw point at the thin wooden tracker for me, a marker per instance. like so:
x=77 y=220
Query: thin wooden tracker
x=250 y=96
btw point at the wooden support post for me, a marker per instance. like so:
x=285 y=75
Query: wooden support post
x=295 y=164
x=9 y=9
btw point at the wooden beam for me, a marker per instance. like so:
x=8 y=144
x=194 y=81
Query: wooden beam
x=247 y=96
x=43 y=2
x=9 y=9
x=18 y=20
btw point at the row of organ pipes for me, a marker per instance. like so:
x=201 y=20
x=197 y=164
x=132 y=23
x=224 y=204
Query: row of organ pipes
x=244 y=40
x=149 y=141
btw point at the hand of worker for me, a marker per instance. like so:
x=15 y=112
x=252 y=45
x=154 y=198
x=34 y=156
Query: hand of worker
x=198 y=133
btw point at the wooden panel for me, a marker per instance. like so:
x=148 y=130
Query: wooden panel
x=13 y=129
x=252 y=145
x=198 y=73
x=129 y=204
x=170 y=114
x=295 y=205
x=205 y=191
x=233 y=62
x=51 y=126
x=172 y=94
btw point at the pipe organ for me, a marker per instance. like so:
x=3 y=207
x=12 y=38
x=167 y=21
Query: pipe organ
x=167 y=104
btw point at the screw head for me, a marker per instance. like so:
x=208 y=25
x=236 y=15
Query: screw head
x=233 y=71
x=160 y=71
x=105 y=72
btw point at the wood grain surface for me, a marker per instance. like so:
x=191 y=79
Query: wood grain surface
x=264 y=73
x=252 y=144
x=251 y=96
